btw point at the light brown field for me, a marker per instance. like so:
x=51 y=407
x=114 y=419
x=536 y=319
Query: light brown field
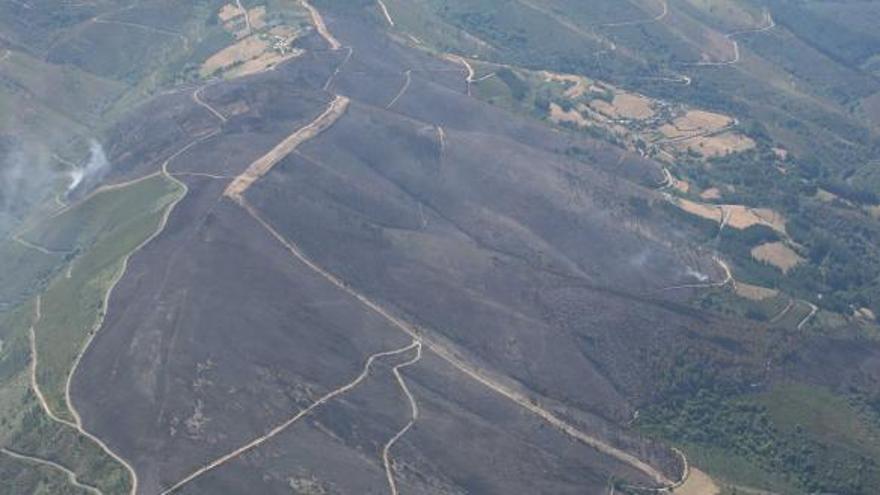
x=718 y=145
x=865 y=314
x=711 y=193
x=710 y=212
x=558 y=116
x=242 y=51
x=778 y=255
x=755 y=292
x=738 y=216
x=265 y=61
x=248 y=56
x=698 y=483
x=228 y=12
x=743 y=217
x=632 y=106
x=681 y=185
x=257 y=15
x=695 y=122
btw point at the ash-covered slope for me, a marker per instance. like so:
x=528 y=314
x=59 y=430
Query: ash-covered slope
x=429 y=296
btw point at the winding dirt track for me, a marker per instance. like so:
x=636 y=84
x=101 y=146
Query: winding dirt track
x=106 y=302
x=414 y=408
x=197 y=97
x=385 y=12
x=659 y=17
x=318 y=21
x=407 y=81
x=71 y=476
x=770 y=24
x=469 y=79
x=247 y=17
x=283 y=426
x=474 y=372
x=32 y=337
x=813 y=310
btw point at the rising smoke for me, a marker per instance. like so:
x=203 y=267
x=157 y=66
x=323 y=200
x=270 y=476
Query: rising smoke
x=702 y=277
x=30 y=176
x=93 y=171
x=26 y=176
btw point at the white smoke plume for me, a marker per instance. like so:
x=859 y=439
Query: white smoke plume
x=93 y=171
x=702 y=277
x=26 y=176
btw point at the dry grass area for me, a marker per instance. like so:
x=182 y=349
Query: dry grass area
x=738 y=216
x=712 y=193
x=253 y=53
x=698 y=483
x=558 y=115
x=778 y=255
x=625 y=105
x=229 y=12
x=632 y=106
x=710 y=212
x=718 y=145
x=874 y=211
x=681 y=185
x=865 y=314
x=743 y=217
x=247 y=49
x=695 y=122
x=755 y=292
x=257 y=15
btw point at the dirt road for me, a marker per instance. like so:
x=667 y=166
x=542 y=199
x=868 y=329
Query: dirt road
x=406 y=82
x=659 y=17
x=71 y=476
x=197 y=97
x=813 y=310
x=45 y=405
x=469 y=79
x=283 y=426
x=770 y=24
x=387 y=15
x=474 y=372
x=414 y=408
x=264 y=164
x=247 y=17
x=318 y=21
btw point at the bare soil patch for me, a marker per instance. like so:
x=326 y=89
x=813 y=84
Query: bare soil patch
x=711 y=193
x=632 y=106
x=719 y=145
x=743 y=217
x=698 y=483
x=559 y=116
x=755 y=292
x=778 y=255
x=695 y=122
x=710 y=212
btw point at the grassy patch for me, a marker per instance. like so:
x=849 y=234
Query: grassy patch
x=104 y=230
